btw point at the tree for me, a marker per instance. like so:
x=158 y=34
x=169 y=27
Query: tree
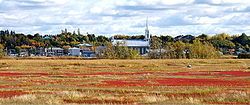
x=195 y=50
x=78 y=32
x=223 y=44
x=199 y=50
x=243 y=39
x=175 y=50
x=119 y=51
x=179 y=48
x=101 y=40
x=222 y=36
x=203 y=37
x=155 y=48
x=156 y=43
x=166 y=39
x=66 y=49
x=1 y=50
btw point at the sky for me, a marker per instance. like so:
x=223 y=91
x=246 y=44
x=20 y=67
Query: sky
x=110 y=17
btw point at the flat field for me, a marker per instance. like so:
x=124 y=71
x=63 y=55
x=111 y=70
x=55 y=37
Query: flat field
x=53 y=82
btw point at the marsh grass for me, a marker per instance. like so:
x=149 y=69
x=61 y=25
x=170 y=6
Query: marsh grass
x=82 y=82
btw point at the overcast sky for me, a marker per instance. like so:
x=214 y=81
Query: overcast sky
x=172 y=17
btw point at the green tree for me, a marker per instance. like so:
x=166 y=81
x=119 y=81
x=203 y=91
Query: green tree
x=243 y=39
x=156 y=43
x=175 y=50
x=156 y=46
x=203 y=38
x=222 y=36
x=119 y=51
x=199 y=50
x=223 y=43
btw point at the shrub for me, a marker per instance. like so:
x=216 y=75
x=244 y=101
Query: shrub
x=1 y=50
x=119 y=52
x=196 y=50
x=244 y=56
x=201 y=50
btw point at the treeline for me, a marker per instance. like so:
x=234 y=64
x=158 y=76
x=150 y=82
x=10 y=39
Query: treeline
x=118 y=51
x=11 y=40
x=202 y=46
x=163 y=46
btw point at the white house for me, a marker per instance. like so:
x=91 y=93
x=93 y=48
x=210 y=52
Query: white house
x=54 y=51
x=74 y=51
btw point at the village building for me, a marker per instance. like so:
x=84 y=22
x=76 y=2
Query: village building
x=74 y=51
x=142 y=46
x=87 y=50
x=54 y=51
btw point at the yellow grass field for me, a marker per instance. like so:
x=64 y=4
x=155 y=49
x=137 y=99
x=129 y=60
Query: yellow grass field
x=225 y=81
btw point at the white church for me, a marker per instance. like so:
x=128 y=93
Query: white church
x=142 y=46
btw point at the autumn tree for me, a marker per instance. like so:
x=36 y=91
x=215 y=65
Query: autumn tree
x=119 y=51
x=1 y=50
x=199 y=50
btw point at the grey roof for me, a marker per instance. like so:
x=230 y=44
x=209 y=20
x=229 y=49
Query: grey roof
x=47 y=37
x=85 y=44
x=55 y=48
x=74 y=48
x=132 y=43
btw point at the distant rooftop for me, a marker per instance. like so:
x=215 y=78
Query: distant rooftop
x=132 y=43
x=85 y=44
x=46 y=37
x=74 y=48
x=55 y=48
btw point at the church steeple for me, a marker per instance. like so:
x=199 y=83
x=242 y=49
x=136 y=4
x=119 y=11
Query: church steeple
x=147 y=35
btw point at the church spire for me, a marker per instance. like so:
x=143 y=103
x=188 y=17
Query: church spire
x=147 y=36
x=147 y=24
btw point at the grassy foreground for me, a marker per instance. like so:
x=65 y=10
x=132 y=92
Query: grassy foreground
x=124 y=82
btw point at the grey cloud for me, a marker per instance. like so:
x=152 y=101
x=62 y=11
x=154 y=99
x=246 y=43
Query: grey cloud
x=173 y=21
x=238 y=20
x=212 y=3
x=48 y=17
x=203 y=2
x=8 y=5
x=234 y=10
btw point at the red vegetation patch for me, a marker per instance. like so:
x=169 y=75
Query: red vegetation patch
x=192 y=73
x=107 y=73
x=8 y=94
x=212 y=73
x=97 y=101
x=10 y=74
x=201 y=82
x=235 y=73
x=4 y=87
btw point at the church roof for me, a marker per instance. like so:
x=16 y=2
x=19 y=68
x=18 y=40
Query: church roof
x=132 y=43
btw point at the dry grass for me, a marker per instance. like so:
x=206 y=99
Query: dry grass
x=56 y=82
